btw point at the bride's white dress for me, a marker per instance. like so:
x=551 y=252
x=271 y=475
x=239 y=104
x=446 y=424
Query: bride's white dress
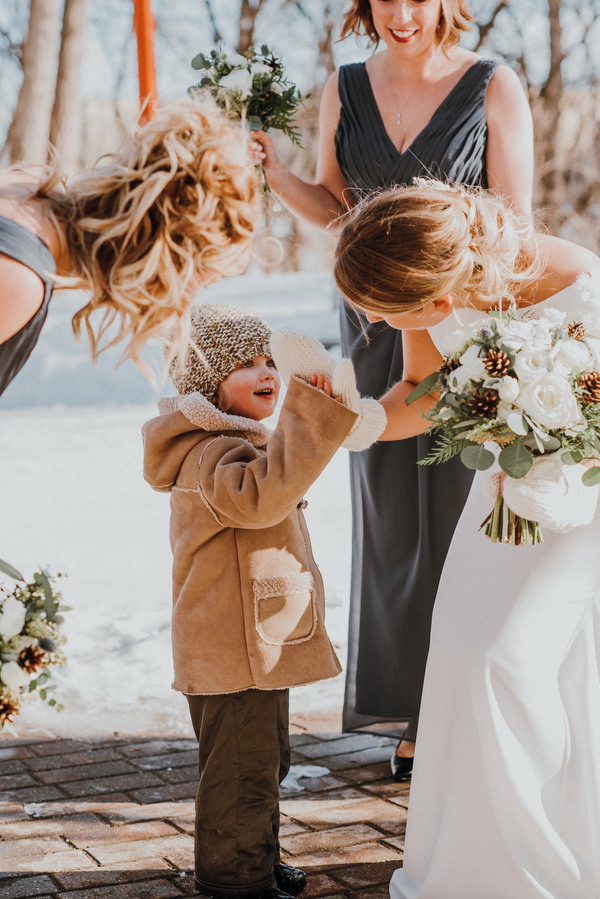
x=505 y=795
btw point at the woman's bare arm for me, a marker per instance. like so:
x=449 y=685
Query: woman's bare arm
x=321 y=203
x=421 y=358
x=509 y=151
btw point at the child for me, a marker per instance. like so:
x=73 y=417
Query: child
x=248 y=598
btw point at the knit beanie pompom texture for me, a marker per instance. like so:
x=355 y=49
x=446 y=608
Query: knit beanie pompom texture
x=221 y=338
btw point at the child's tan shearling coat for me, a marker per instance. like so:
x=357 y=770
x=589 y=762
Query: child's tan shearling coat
x=248 y=603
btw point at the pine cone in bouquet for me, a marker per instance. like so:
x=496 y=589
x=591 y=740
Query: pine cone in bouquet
x=484 y=403
x=590 y=381
x=497 y=363
x=576 y=330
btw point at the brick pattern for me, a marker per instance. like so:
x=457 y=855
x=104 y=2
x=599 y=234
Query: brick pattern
x=114 y=819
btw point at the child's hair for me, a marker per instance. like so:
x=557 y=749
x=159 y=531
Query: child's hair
x=455 y=16
x=407 y=246
x=221 y=338
x=177 y=202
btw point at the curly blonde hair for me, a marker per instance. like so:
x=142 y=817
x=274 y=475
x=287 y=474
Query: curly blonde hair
x=408 y=246
x=177 y=203
x=455 y=16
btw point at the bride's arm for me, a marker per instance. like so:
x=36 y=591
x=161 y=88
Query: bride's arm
x=421 y=358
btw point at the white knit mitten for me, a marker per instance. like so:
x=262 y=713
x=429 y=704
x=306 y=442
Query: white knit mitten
x=299 y=355
x=552 y=494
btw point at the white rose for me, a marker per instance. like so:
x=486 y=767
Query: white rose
x=237 y=60
x=574 y=354
x=554 y=317
x=473 y=365
x=593 y=344
x=455 y=341
x=12 y=618
x=516 y=333
x=259 y=68
x=13 y=676
x=550 y=402
x=530 y=363
x=509 y=389
x=278 y=88
x=240 y=80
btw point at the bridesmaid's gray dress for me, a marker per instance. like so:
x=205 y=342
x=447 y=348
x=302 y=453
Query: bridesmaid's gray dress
x=404 y=515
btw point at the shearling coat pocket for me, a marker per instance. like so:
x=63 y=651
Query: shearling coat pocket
x=285 y=608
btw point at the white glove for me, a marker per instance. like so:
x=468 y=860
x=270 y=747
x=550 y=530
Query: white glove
x=301 y=356
x=552 y=494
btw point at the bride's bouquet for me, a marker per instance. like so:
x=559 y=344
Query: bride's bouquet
x=30 y=644
x=252 y=89
x=531 y=386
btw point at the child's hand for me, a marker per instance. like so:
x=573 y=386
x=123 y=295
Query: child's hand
x=321 y=383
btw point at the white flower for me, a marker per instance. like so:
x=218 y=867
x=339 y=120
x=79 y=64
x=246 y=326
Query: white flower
x=516 y=333
x=240 y=81
x=509 y=389
x=259 y=68
x=550 y=402
x=278 y=88
x=13 y=676
x=574 y=354
x=473 y=365
x=237 y=61
x=530 y=363
x=12 y=618
x=593 y=344
x=553 y=317
x=455 y=341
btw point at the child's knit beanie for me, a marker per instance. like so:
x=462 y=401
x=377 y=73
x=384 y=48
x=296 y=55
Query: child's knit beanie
x=221 y=338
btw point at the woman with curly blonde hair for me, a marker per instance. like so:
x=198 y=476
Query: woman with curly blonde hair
x=504 y=799
x=171 y=211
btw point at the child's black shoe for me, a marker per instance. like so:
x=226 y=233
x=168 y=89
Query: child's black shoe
x=290 y=879
x=266 y=894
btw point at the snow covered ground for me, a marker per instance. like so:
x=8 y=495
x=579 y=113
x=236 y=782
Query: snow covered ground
x=73 y=499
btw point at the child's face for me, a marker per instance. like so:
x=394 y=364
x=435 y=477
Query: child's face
x=251 y=389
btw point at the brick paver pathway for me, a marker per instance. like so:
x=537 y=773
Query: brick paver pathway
x=114 y=819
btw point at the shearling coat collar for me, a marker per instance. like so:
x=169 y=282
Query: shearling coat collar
x=203 y=414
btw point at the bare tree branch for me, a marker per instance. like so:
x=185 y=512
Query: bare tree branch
x=485 y=29
x=217 y=36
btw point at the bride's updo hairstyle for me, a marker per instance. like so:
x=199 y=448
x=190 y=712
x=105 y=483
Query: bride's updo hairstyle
x=175 y=204
x=407 y=246
x=455 y=17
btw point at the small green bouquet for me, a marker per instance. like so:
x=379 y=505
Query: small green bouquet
x=252 y=89
x=531 y=386
x=30 y=643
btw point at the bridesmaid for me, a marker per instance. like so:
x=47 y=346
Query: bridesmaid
x=423 y=106
x=172 y=211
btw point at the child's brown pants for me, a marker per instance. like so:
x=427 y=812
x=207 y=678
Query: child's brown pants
x=243 y=755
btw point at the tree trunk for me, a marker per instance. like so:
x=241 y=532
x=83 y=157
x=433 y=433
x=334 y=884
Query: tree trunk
x=550 y=97
x=247 y=22
x=30 y=127
x=65 y=126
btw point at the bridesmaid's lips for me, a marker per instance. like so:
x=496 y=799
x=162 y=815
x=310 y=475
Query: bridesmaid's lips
x=402 y=40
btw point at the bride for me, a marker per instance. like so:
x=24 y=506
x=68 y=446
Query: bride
x=505 y=797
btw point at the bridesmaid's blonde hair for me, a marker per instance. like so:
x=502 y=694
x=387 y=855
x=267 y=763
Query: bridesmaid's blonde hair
x=174 y=205
x=407 y=246
x=455 y=16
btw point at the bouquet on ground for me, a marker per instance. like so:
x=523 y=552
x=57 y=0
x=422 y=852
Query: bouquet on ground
x=252 y=89
x=30 y=643
x=532 y=387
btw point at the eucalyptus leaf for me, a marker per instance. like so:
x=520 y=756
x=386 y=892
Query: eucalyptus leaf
x=49 y=604
x=200 y=62
x=591 y=476
x=477 y=458
x=43 y=693
x=422 y=389
x=48 y=645
x=551 y=443
x=515 y=460
x=568 y=458
x=517 y=424
x=12 y=572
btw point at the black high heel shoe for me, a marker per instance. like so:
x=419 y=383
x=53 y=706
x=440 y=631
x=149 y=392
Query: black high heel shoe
x=401 y=766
